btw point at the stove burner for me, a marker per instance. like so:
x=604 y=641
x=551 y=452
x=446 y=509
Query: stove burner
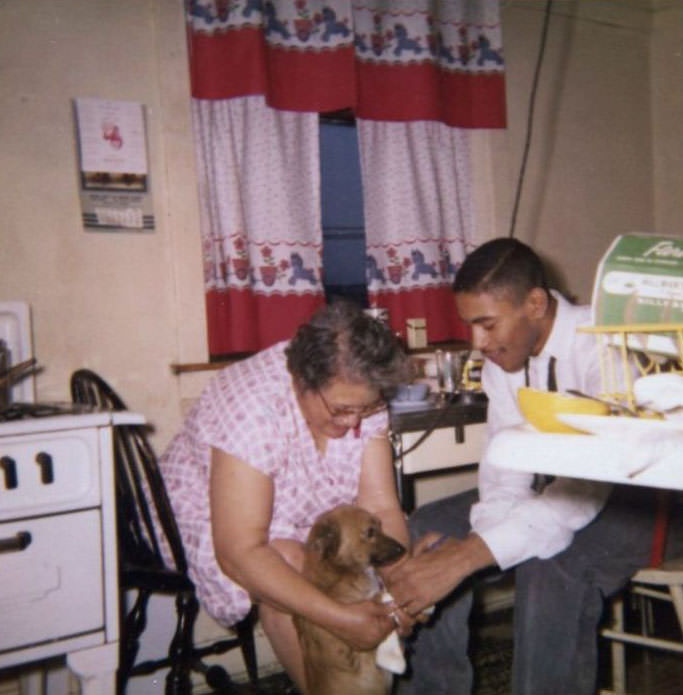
x=20 y=411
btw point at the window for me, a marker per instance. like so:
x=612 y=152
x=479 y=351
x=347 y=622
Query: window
x=342 y=210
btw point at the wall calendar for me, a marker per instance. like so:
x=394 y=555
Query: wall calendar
x=114 y=175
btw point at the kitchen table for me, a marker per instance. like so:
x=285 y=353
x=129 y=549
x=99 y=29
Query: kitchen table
x=616 y=449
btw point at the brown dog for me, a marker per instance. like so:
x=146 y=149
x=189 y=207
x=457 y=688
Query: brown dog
x=342 y=548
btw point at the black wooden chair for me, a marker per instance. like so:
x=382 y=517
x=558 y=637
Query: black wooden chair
x=140 y=499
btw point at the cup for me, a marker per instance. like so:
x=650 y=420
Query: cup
x=449 y=366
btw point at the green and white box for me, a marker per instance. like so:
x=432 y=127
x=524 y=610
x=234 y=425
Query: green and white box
x=640 y=281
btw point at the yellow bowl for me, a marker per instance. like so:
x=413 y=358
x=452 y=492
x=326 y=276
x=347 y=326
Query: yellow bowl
x=541 y=407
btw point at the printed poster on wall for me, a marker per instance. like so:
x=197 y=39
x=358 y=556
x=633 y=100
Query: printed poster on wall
x=114 y=172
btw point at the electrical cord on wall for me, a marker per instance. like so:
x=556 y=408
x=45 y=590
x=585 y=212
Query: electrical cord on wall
x=530 y=115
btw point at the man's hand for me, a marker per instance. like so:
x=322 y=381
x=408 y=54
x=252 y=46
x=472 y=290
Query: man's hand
x=435 y=569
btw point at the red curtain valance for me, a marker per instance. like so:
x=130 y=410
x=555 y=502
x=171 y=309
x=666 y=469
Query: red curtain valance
x=443 y=63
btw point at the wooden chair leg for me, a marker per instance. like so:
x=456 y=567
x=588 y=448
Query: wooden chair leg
x=134 y=626
x=180 y=653
x=245 y=632
x=617 y=649
x=677 y=600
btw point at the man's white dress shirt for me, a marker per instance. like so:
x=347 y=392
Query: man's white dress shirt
x=515 y=522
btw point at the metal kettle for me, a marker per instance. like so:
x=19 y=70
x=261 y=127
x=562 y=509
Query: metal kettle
x=9 y=374
x=5 y=382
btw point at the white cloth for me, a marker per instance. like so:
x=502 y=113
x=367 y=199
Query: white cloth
x=659 y=391
x=389 y=655
x=515 y=522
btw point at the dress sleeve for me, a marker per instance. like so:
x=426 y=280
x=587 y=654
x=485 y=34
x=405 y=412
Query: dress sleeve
x=376 y=425
x=243 y=425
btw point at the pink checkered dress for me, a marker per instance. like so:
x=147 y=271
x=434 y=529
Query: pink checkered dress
x=250 y=411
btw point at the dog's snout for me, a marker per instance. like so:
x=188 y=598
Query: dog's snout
x=386 y=550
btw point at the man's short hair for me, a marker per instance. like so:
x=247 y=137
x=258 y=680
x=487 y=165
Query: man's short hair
x=499 y=265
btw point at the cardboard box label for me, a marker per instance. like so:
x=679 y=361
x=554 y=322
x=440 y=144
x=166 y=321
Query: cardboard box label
x=640 y=281
x=416 y=333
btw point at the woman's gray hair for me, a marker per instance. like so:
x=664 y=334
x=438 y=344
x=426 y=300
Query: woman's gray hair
x=341 y=340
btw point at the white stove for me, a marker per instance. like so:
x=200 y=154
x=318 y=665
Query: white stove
x=58 y=559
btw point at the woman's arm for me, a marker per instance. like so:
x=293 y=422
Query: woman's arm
x=377 y=493
x=377 y=489
x=241 y=501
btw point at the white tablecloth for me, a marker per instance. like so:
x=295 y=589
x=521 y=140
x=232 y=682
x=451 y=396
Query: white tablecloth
x=627 y=451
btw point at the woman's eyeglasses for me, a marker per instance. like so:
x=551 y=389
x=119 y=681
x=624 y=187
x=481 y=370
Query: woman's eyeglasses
x=344 y=411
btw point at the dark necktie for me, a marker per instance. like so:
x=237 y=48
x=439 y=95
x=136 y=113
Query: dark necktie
x=541 y=481
x=552 y=381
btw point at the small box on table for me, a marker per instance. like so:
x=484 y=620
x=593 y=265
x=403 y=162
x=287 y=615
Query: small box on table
x=416 y=333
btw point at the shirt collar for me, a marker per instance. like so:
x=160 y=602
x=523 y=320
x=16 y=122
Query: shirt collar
x=561 y=335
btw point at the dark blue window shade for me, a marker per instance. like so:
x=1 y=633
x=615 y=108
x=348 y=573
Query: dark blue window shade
x=342 y=212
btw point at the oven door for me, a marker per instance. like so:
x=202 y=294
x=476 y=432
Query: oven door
x=51 y=570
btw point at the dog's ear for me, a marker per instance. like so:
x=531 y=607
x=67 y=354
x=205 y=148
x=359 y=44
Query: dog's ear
x=325 y=539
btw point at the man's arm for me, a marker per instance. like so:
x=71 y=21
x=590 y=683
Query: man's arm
x=435 y=569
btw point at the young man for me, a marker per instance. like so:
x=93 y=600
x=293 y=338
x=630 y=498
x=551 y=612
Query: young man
x=571 y=541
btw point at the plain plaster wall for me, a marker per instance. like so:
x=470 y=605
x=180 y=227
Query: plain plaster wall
x=666 y=90
x=605 y=159
x=589 y=174
x=125 y=304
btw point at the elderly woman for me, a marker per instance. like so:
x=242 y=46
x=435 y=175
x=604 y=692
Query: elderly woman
x=273 y=441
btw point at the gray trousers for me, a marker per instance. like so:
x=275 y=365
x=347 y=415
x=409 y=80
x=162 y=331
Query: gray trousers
x=558 y=602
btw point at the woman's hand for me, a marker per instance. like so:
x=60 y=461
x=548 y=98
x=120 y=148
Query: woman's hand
x=363 y=625
x=403 y=621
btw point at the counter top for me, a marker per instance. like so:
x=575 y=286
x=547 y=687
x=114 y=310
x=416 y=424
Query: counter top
x=464 y=409
x=69 y=421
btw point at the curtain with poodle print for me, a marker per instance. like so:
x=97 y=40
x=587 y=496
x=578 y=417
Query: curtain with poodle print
x=259 y=195
x=260 y=71
x=419 y=220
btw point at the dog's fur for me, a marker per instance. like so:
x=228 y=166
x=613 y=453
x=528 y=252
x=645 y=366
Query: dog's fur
x=343 y=547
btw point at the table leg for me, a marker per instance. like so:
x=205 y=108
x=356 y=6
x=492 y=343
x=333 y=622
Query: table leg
x=32 y=681
x=96 y=668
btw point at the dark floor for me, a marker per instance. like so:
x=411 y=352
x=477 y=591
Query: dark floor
x=655 y=673
x=649 y=672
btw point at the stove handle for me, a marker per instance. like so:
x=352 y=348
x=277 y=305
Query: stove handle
x=44 y=460
x=20 y=541
x=9 y=468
